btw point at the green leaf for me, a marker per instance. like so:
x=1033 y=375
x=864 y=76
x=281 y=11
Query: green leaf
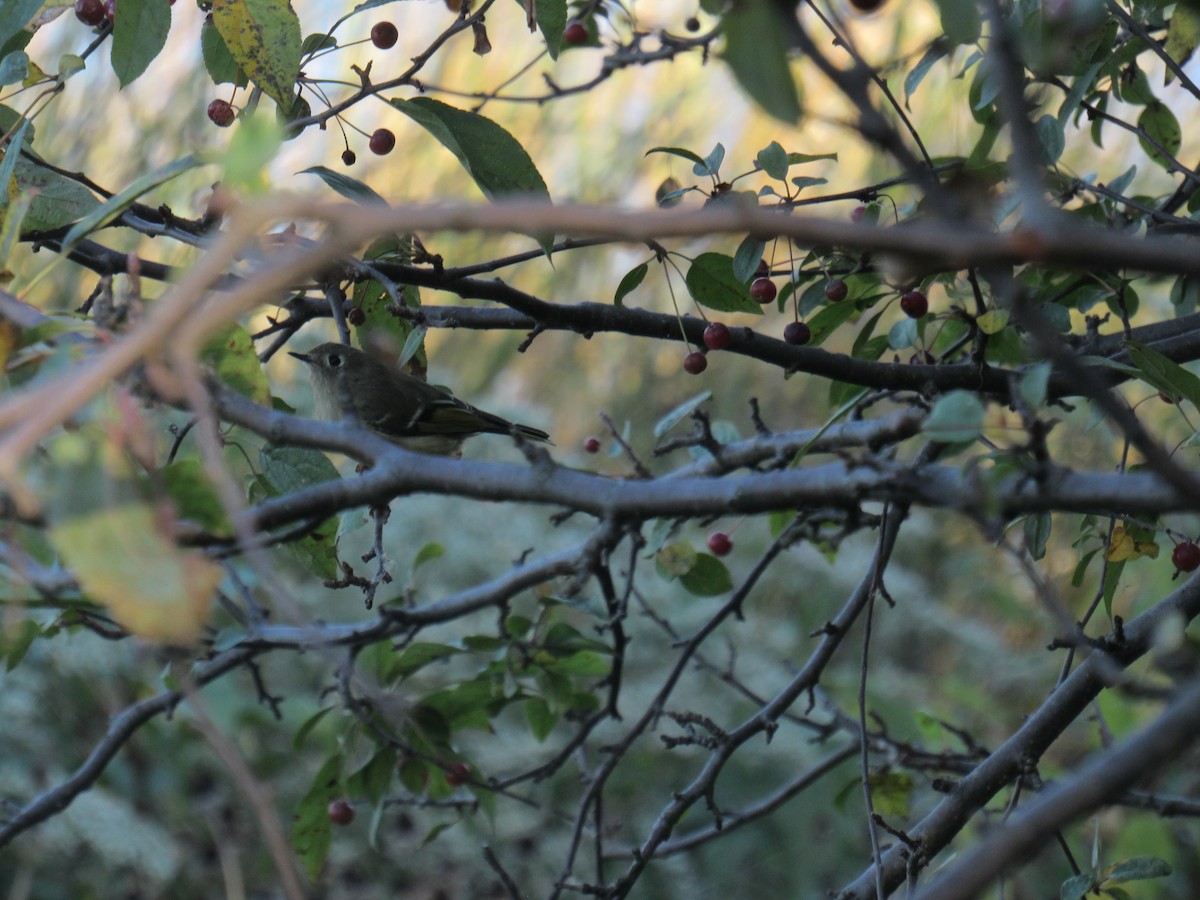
x=540 y=718
x=707 y=577
x=961 y=21
x=350 y=188
x=1051 y=138
x=630 y=282
x=256 y=139
x=311 y=828
x=711 y=165
x=1032 y=387
x=756 y=49
x=1037 y=532
x=675 y=416
x=375 y=777
x=492 y=156
x=584 y=664
x=59 y=200
x=139 y=34
x=1183 y=35
x=955 y=418
x=290 y=469
x=418 y=655
x=195 y=496
x=308 y=725
x=1137 y=868
x=552 y=22
x=936 y=51
x=229 y=352
x=316 y=42
x=1164 y=374
x=17 y=14
x=1160 y=123
x=222 y=67
x=773 y=160
x=111 y=208
x=14 y=67
x=1076 y=887
x=827 y=321
x=263 y=36
x=747 y=257
x=678 y=151
x=712 y=283
x=428 y=553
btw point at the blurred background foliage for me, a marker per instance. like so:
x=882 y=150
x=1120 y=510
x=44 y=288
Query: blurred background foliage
x=166 y=819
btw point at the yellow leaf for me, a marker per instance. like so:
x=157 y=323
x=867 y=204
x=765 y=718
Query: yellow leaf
x=1121 y=547
x=993 y=321
x=263 y=37
x=151 y=586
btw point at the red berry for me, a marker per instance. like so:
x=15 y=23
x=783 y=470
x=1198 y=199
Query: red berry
x=763 y=290
x=797 y=333
x=763 y=270
x=836 y=290
x=348 y=157
x=924 y=358
x=89 y=12
x=110 y=9
x=341 y=812
x=914 y=304
x=719 y=543
x=695 y=363
x=221 y=113
x=717 y=336
x=692 y=24
x=356 y=316
x=1166 y=398
x=867 y=6
x=382 y=141
x=575 y=33
x=457 y=774
x=858 y=213
x=384 y=35
x=591 y=444
x=1186 y=557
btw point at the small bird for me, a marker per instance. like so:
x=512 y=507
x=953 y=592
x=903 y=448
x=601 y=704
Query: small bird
x=409 y=412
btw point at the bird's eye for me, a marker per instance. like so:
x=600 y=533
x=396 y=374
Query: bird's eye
x=334 y=360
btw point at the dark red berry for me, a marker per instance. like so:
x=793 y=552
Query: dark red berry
x=575 y=33
x=110 y=10
x=719 y=543
x=858 y=213
x=692 y=24
x=915 y=304
x=1186 y=557
x=763 y=270
x=1166 y=398
x=356 y=316
x=924 y=358
x=763 y=290
x=591 y=444
x=717 y=336
x=457 y=774
x=836 y=290
x=382 y=141
x=221 y=113
x=341 y=812
x=384 y=35
x=867 y=6
x=695 y=363
x=797 y=333
x=348 y=157
x=89 y=12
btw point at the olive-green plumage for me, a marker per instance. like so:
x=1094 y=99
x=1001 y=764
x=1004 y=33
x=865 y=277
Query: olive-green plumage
x=406 y=410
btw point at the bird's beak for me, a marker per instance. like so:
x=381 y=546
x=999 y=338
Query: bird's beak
x=303 y=357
